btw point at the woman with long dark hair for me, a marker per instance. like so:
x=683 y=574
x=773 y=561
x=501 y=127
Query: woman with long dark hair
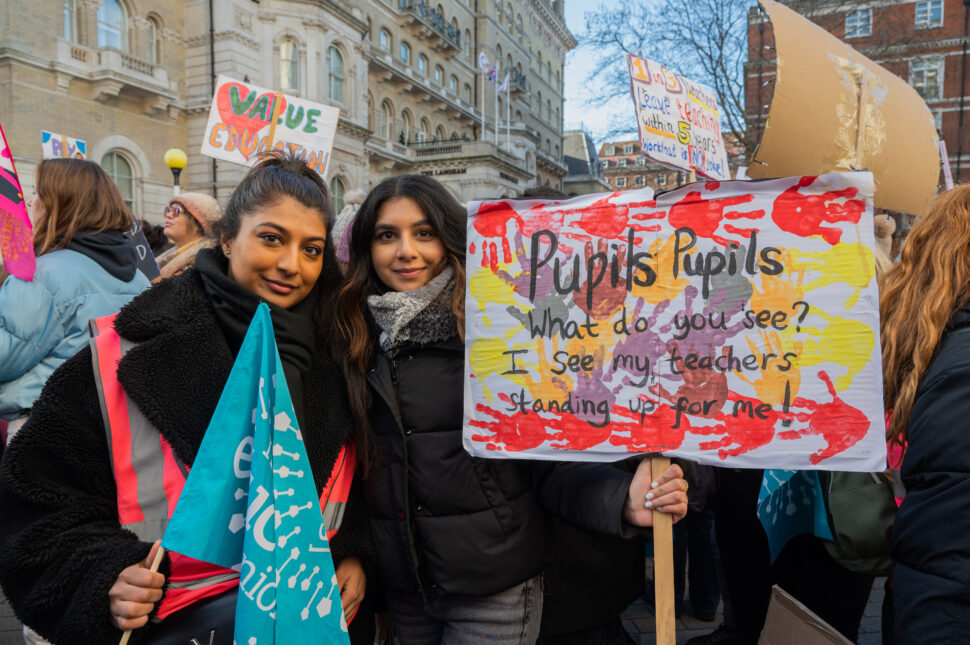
x=73 y=558
x=86 y=268
x=461 y=541
x=925 y=307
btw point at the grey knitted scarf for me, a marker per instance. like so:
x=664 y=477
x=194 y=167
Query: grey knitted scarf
x=419 y=317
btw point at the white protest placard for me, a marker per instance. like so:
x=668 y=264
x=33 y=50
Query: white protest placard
x=730 y=323
x=246 y=121
x=679 y=120
x=56 y=146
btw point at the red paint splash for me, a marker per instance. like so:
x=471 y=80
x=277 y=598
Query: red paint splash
x=840 y=424
x=704 y=216
x=804 y=214
x=493 y=218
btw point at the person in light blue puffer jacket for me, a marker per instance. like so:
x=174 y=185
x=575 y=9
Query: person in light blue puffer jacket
x=86 y=268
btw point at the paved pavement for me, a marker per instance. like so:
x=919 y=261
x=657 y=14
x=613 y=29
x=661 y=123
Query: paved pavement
x=638 y=620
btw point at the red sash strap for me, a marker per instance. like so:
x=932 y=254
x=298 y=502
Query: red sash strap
x=149 y=477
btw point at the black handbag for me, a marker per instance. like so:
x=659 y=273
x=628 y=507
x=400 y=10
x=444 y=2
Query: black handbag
x=209 y=621
x=861 y=510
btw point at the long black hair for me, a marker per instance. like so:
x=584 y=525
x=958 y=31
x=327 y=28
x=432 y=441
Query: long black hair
x=448 y=219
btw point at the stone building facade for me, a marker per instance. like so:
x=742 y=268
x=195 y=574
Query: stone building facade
x=133 y=78
x=626 y=169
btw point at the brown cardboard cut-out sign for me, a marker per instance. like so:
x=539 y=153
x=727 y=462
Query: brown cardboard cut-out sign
x=835 y=110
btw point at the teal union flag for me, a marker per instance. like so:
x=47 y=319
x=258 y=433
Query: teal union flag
x=250 y=504
x=791 y=503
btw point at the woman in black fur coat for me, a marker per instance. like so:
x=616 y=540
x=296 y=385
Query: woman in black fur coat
x=68 y=568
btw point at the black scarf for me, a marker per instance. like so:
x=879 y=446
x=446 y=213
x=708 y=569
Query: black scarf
x=234 y=306
x=113 y=250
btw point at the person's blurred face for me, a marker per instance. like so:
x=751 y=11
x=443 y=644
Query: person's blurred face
x=180 y=226
x=38 y=212
x=406 y=252
x=278 y=252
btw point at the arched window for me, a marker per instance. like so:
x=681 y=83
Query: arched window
x=548 y=146
x=439 y=134
x=453 y=84
x=405 y=127
x=289 y=65
x=112 y=25
x=152 y=42
x=498 y=54
x=422 y=64
x=385 y=122
x=120 y=172
x=508 y=15
x=337 y=191
x=468 y=93
x=548 y=109
x=518 y=115
x=422 y=134
x=69 y=14
x=508 y=63
x=548 y=71
x=405 y=53
x=439 y=74
x=539 y=67
x=336 y=65
x=384 y=40
x=501 y=13
x=467 y=44
x=518 y=23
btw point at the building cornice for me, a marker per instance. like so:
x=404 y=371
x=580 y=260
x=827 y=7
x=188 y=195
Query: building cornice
x=556 y=22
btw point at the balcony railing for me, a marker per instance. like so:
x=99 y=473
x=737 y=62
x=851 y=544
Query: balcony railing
x=435 y=20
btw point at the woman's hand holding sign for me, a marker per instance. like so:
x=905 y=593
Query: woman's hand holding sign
x=666 y=494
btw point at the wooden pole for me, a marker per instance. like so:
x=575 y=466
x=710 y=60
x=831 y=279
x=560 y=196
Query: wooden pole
x=158 y=561
x=663 y=565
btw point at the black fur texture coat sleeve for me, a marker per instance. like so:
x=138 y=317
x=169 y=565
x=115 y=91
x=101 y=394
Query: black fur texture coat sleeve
x=61 y=544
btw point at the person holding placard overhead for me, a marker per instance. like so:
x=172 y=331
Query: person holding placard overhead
x=461 y=541
x=925 y=308
x=74 y=553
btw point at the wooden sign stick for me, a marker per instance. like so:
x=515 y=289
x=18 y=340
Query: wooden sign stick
x=158 y=561
x=663 y=566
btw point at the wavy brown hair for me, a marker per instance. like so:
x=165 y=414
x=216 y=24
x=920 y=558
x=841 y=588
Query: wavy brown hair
x=448 y=219
x=919 y=296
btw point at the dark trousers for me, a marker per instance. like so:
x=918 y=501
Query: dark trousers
x=694 y=554
x=804 y=568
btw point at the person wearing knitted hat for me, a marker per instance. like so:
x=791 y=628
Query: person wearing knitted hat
x=187 y=223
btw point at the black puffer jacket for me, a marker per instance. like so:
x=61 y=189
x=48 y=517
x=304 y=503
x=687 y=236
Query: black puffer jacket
x=61 y=545
x=931 y=536
x=445 y=522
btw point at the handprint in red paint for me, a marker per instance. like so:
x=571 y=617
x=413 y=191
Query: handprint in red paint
x=804 y=214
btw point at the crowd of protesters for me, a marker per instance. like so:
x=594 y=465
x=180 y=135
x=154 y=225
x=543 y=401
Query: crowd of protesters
x=435 y=545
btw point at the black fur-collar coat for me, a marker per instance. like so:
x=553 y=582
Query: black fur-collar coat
x=61 y=545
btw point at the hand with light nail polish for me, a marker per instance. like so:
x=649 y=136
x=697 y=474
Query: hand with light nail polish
x=666 y=494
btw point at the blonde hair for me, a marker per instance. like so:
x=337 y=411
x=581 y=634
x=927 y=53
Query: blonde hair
x=919 y=296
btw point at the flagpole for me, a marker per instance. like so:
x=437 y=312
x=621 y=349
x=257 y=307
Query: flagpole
x=508 y=119
x=154 y=569
x=497 y=116
x=483 y=105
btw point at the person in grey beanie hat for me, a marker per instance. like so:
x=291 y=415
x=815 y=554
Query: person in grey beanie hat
x=188 y=218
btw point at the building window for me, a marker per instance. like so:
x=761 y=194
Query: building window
x=112 y=25
x=628 y=149
x=925 y=76
x=606 y=163
x=405 y=53
x=467 y=43
x=439 y=74
x=929 y=14
x=640 y=180
x=120 y=172
x=289 y=65
x=337 y=194
x=336 y=74
x=152 y=42
x=422 y=134
x=661 y=179
x=453 y=85
x=641 y=161
x=468 y=93
x=621 y=162
x=405 y=127
x=439 y=134
x=69 y=13
x=385 y=122
x=609 y=151
x=621 y=182
x=384 y=41
x=422 y=64
x=858 y=23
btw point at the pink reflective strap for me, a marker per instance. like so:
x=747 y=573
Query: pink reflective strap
x=108 y=346
x=334 y=496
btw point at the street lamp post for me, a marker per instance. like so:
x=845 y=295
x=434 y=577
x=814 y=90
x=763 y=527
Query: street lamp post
x=176 y=160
